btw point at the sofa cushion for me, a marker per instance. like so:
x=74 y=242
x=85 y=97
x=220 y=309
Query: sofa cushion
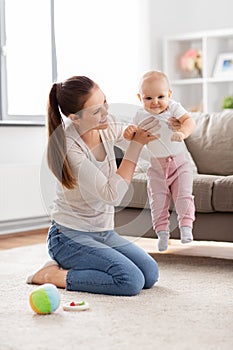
x=136 y=196
x=223 y=194
x=211 y=143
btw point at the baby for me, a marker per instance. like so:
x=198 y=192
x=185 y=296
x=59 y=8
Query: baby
x=169 y=173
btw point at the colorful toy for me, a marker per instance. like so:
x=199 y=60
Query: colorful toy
x=76 y=306
x=44 y=299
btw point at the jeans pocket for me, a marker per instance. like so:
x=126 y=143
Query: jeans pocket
x=53 y=240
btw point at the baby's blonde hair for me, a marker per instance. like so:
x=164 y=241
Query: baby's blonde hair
x=153 y=75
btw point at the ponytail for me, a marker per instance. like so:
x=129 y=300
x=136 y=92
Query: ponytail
x=57 y=149
x=67 y=98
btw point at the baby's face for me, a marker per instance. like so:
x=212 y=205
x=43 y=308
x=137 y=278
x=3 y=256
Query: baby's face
x=155 y=95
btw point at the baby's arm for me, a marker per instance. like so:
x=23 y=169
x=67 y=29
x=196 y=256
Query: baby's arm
x=130 y=132
x=187 y=125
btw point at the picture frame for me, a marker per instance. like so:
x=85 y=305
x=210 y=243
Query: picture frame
x=224 y=65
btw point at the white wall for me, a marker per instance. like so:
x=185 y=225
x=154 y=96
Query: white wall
x=183 y=16
x=109 y=43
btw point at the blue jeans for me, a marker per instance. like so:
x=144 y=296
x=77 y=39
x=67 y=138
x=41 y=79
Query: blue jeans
x=101 y=262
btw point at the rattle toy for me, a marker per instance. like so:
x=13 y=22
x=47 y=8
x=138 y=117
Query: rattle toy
x=76 y=306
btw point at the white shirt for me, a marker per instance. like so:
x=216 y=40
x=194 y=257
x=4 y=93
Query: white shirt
x=90 y=205
x=163 y=147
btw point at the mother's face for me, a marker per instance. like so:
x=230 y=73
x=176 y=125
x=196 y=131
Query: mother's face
x=94 y=113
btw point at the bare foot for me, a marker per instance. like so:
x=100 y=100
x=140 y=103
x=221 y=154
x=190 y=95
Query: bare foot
x=50 y=273
x=45 y=275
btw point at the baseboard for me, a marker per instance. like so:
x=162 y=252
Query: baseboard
x=24 y=225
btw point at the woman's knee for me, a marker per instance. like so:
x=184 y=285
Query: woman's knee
x=151 y=275
x=132 y=283
x=145 y=279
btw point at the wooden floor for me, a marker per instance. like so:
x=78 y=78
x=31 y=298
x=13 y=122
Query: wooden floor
x=209 y=249
x=23 y=239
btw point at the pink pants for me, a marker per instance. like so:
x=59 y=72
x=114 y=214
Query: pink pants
x=171 y=176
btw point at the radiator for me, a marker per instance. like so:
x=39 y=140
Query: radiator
x=20 y=194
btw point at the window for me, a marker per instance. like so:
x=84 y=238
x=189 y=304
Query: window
x=26 y=58
x=102 y=39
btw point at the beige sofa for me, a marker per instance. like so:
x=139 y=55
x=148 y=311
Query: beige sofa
x=211 y=148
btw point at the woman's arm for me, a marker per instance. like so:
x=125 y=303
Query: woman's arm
x=92 y=182
x=150 y=124
x=129 y=161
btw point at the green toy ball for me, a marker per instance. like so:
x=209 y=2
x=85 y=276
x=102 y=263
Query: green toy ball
x=44 y=299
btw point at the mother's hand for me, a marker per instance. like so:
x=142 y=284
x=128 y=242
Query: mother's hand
x=143 y=137
x=174 y=124
x=150 y=124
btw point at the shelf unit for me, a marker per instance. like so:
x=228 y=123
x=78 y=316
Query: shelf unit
x=203 y=93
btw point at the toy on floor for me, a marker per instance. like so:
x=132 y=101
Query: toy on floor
x=44 y=299
x=76 y=306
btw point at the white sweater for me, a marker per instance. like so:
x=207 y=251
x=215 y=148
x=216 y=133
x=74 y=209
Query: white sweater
x=90 y=205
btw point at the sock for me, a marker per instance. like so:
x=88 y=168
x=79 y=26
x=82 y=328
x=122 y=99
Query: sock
x=163 y=237
x=186 y=234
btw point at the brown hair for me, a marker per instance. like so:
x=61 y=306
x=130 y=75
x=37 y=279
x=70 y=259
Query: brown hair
x=67 y=97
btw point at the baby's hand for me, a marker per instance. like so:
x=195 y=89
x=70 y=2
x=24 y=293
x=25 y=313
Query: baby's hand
x=130 y=132
x=178 y=136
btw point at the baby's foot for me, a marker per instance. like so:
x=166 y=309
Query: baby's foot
x=163 y=237
x=186 y=234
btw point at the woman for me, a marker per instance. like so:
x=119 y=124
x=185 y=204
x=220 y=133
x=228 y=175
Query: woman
x=88 y=255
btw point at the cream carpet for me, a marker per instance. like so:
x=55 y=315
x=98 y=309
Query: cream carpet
x=191 y=307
